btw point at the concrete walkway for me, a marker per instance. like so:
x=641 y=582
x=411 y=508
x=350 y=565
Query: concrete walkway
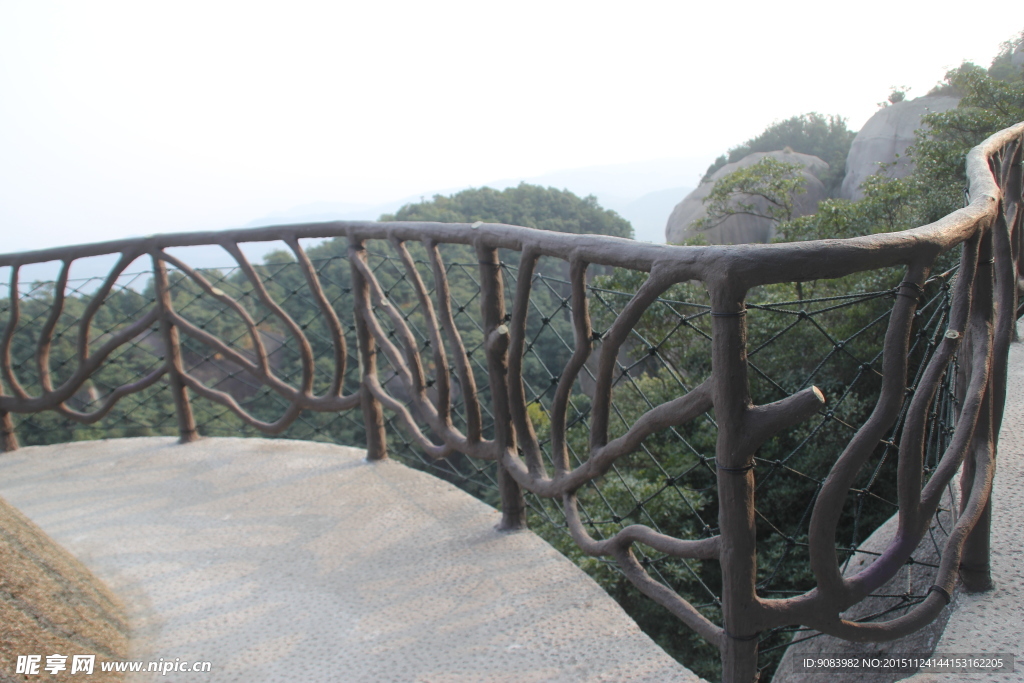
x=296 y=561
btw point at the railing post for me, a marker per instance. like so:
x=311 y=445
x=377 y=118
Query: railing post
x=496 y=336
x=975 y=559
x=975 y=566
x=373 y=415
x=8 y=439
x=172 y=355
x=734 y=461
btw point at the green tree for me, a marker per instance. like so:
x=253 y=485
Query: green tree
x=826 y=137
x=531 y=206
x=767 y=189
x=988 y=104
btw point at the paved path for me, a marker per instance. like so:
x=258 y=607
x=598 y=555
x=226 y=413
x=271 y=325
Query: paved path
x=297 y=561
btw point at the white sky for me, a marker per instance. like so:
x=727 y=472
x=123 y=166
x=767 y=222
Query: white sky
x=127 y=118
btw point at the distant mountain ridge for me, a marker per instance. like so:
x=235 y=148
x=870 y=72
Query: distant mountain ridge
x=642 y=192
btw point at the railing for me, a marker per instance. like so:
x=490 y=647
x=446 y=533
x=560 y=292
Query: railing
x=476 y=386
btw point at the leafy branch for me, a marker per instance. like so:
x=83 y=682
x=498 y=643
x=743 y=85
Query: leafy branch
x=766 y=189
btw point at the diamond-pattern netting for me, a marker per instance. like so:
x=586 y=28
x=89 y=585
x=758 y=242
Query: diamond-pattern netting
x=828 y=334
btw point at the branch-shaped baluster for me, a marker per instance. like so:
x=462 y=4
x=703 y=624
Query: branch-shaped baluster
x=181 y=378
x=1005 y=311
x=187 y=431
x=443 y=403
x=997 y=293
x=600 y=459
x=910 y=471
x=226 y=399
x=525 y=433
x=333 y=323
x=43 y=361
x=830 y=500
x=409 y=370
x=433 y=450
x=49 y=400
x=673 y=413
x=8 y=437
x=406 y=362
x=305 y=351
x=492 y=312
x=467 y=381
x=619 y=547
x=85 y=324
x=5 y=345
x=46 y=334
x=917 y=506
x=111 y=399
x=659 y=280
x=88 y=363
x=581 y=352
x=1013 y=188
x=941 y=591
x=260 y=369
x=373 y=417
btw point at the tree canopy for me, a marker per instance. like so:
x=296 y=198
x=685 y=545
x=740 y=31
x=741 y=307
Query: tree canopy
x=767 y=189
x=531 y=206
x=826 y=137
x=990 y=101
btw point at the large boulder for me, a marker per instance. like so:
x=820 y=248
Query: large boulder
x=884 y=140
x=743 y=229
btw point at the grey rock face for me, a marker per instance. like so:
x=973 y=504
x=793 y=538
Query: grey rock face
x=884 y=140
x=745 y=229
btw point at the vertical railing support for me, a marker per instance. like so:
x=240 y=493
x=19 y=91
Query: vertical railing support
x=8 y=439
x=373 y=415
x=172 y=355
x=735 y=461
x=975 y=562
x=496 y=337
x=975 y=559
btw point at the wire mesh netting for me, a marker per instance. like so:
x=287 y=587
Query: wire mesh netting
x=825 y=333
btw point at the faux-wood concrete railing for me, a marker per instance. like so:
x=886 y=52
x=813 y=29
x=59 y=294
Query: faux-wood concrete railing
x=980 y=327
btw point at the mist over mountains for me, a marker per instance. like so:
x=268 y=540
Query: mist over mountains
x=643 y=193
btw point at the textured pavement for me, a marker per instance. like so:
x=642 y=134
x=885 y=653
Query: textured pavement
x=297 y=561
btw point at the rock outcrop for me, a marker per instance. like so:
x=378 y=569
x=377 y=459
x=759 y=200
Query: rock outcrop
x=884 y=140
x=744 y=229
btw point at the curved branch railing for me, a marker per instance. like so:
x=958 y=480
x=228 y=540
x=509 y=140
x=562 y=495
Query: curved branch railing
x=980 y=327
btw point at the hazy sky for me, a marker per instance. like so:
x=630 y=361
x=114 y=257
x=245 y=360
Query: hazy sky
x=126 y=118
